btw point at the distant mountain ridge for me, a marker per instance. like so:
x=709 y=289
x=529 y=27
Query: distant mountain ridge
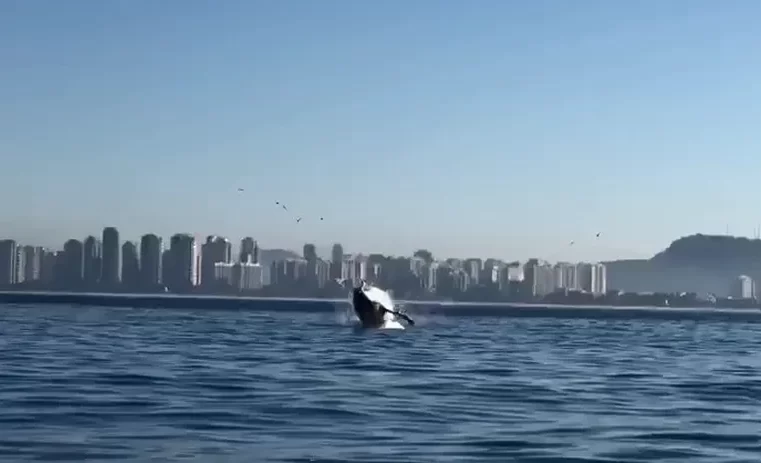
x=696 y=263
x=711 y=250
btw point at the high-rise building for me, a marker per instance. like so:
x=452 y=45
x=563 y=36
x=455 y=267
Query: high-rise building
x=592 y=278
x=19 y=265
x=310 y=256
x=336 y=261
x=374 y=273
x=130 y=264
x=584 y=275
x=428 y=278
x=288 y=271
x=48 y=266
x=354 y=269
x=93 y=260
x=251 y=276
x=296 y=269
x=444 y=278
x=529 y=275
x=473 y=268
x=249 y=250
x=743 y=288
x=543 y=279
x=490 y=272
x=243 y=276
x=185 y=261
x=216 y=250
x=599 y=278
x=460 y=279
x=57 y=262
x=151 y=249
x=166 y=267
x=418 y=267
x=33 y=263
x=112 y=261
x=322 y=272
x=310 y=252
x=515 y=272
x=72 y=269
x=510 y=279
x=7 y=262
x=566 y=276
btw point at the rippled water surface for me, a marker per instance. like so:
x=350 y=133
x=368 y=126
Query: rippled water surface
x=93 y=384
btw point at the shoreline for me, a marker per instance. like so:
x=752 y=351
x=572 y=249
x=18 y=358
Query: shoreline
x=156 y=300
x=315 y=305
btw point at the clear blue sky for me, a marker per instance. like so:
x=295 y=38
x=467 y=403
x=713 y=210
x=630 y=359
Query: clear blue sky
x=489 y=128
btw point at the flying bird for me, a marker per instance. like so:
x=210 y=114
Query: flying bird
x=278 y=203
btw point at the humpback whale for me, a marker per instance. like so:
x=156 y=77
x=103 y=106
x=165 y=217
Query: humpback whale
x=371 y=304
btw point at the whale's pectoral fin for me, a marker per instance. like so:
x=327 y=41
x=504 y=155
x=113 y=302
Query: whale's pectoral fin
x=399 y=314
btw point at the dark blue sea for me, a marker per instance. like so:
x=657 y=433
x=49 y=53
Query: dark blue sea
x=164 y=385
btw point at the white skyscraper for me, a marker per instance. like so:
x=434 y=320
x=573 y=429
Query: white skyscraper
x=592 y=278
x=599 y=278
x=743 y=288
x=245 y=276
x=544 y=279
x=566 y=276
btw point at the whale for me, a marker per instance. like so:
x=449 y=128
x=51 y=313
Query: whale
x=374 y=306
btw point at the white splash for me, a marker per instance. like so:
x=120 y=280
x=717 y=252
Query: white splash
x=392 y=324
x=345 y=315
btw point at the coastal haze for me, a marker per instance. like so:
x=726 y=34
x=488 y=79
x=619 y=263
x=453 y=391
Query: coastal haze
x=556 y=192
x=697 y=270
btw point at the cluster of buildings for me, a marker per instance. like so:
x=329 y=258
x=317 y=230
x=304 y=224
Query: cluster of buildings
x=147 y=264
x=189 y=264
x=587 y=277
x=531 y=279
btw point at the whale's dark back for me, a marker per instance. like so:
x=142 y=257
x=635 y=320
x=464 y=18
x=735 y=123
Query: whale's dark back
x=369 y=315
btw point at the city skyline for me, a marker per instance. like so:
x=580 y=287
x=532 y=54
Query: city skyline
x=574 y=250
x=189 y=265
x=502 y=128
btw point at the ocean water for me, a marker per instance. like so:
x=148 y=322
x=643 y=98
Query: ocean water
x=136 y=385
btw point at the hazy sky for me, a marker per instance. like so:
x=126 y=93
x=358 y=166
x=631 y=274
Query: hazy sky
x=473 y=128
